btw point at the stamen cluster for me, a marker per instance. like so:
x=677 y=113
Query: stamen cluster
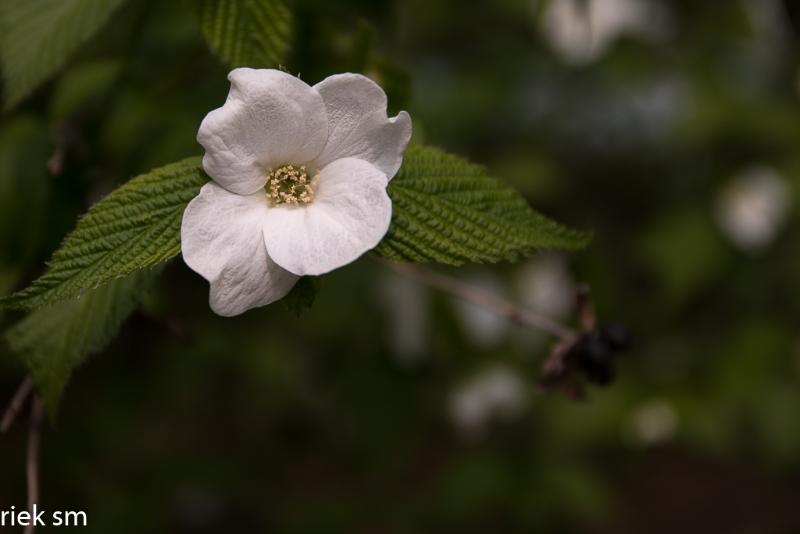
x=290 y=184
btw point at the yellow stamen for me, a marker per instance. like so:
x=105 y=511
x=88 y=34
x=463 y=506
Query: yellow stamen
x=290 y=184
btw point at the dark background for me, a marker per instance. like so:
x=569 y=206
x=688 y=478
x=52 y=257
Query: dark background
x=670 y=128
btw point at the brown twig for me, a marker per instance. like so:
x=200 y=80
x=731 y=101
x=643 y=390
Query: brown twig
x=32 y=464
x=16 y=404
x=486 y=300
x=587 y=317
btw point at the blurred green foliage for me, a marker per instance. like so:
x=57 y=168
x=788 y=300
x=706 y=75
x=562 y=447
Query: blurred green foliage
x=189 y=422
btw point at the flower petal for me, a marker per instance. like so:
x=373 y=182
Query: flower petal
x=270 y=118
x=222 y=240
x=358 y=125
x=350 y=214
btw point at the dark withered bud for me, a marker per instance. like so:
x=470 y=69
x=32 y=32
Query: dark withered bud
x=617 y=336
x=596 y=358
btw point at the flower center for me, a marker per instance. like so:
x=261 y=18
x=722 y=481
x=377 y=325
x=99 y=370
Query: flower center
x=290 y=184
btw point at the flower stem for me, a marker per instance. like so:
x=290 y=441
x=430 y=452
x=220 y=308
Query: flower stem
x=484 y=299
x=32 y=464
x=16 y=404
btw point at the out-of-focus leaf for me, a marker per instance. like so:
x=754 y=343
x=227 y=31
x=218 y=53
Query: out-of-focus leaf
x=135 y=227
x=38 y=36
x=684 y=252
x=247 y=33
x=53 y=341
x=82 y=86
x=450 y=211
x=23 y=192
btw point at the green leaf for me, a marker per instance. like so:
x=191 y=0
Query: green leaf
x=302 y=295
x=135 y=227
x=450 y=211
x=37 y=37
x=247 y=33
x=53 y=341
x=445 y=210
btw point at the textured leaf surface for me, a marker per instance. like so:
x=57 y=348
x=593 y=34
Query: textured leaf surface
x=38 y=36
x=55 y=340
x=449 y=211
x=247 y=33
x=136 y=226
x=445 y=210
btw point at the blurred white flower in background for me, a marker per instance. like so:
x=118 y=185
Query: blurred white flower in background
x=753 y=207
x=483 y=327
x=652 y=423
x=407 y=306
x=546 y=286
x=496 y=393
x=580 y=31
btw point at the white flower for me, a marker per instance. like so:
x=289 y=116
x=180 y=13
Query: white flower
x=299 y=183
x=753 y=208
x=581 y=31
x=497 y=392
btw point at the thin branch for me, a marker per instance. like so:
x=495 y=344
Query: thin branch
x=587 y=316
x=17 y=401
x=484 y=299
x=32 y=464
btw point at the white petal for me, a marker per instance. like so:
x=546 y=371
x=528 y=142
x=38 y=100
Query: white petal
x=222 y=240
x=270 y=118
x=358 y=125
x=350 y=214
